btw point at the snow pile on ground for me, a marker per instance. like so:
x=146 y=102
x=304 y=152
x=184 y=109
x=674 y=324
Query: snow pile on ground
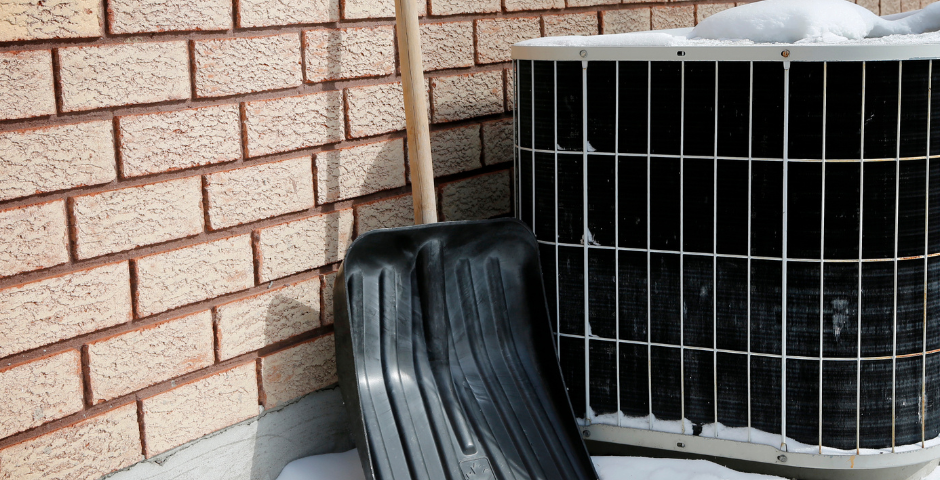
x=780 y=21
x=332 y=466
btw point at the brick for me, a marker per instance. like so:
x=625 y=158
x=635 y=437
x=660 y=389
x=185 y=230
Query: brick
x=457 y=7
x=476 y=198
x=354 y=9
x=497 y=142
x=55 y=158
x=131 y=361
x=456 y=150
x=264 y=13
x=388 y=213
x=910 y=5
x=193 y=410
x=591 y=3
x=27 y=84
x=44 y=312
x=517 y=5
x=376 y=109
x=85 y=451
x=40 y=20
x=510 y=89
x=123 y=219
x=139 y=16
x=365 y=52
x=625 y=21
x=164 y=142
x=259 y=191
x=291 y=123
x=470 y=95
x=297 y=371
x=166 y=281
x=39 y=392
x=328 y=281
x=361 y=170
x=570 y=24
x=32 y=238
x=664 y=18
x=708 y=9
x=890 y=7
x=304 y=244
x=233 y=66
x=275 y=315
x=495 y=36
x=127 y=74
x=873 y=5
x=447 y=45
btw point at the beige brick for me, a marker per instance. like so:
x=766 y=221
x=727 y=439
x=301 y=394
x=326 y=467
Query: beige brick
x=570 y=24
x=39 y=392
x=388 y=213
x=873 y=5
x=84 y=451
x=232 y=66
x=590 y=3
x=275 y=315
x=166 y=281
x=497 y=142
x=299 y=370
x=625 y=21
x=455 y=150
x=457 y=7
x=706 y=10
x=495 y=36
x=259 y=191
x=199 y=408
x=516 y=5
x=44 y=19
x=910 y=5
x=123 y=219
x=33 y=237
x=55 y=158
x=264 y=13
x=664 y=18
x=127 y=74
x=447 y=45
x=27 y=84
x=376 y=109
x=510 y=89
x=304 y=244
x=476 y=198
x=138 y=16
x=328 y=307
x=163 y=142
x=353 y=9
x=62 y=307
x=471 y=95
x=890 y=7
x=131 y=361
x=364 y=52
x=361 y=170
x=291 y=123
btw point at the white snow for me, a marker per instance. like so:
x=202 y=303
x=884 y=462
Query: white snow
x=332 y=466
x=781 y=21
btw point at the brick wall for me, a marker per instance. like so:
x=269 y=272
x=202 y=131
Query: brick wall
x=180 y=178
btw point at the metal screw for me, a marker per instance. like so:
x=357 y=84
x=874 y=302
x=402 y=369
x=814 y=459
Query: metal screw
x=587 y=433
x=785 y=53
x=680 y=445
x=583 y=53
x=680 y=53
x=782 y=458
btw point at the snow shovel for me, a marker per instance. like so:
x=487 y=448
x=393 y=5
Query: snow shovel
x=443 y=342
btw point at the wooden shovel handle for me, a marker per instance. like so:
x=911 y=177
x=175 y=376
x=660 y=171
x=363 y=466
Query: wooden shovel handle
x=416 y=112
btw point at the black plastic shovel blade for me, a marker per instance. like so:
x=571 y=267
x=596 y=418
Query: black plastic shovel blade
x=445 y=357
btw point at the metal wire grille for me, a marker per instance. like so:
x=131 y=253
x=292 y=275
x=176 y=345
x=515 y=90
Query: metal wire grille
x=743 y=250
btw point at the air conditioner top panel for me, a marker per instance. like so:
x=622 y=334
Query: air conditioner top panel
x=675 y=45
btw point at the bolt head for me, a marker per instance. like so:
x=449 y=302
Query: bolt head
x=782 y=458
x=583 y=53
x=785 y=54
x=586 y=433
